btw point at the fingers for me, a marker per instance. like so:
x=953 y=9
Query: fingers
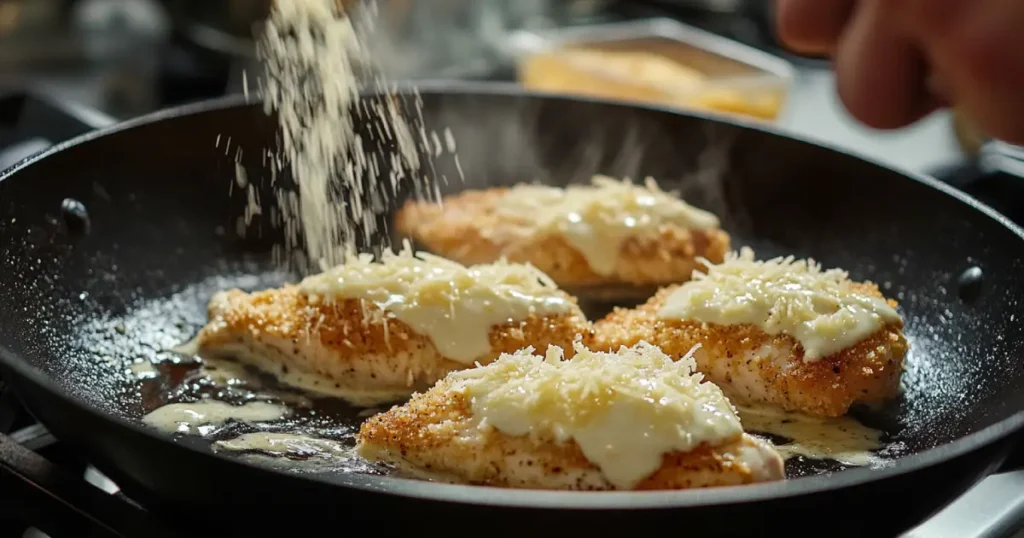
x=976 y=49
x=880 y=72
x=894 y=57
x=812 y=26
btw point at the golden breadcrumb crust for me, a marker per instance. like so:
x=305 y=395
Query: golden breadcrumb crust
x=467 y=228
x=353 y=343
x=753 y=366
x=436 y=434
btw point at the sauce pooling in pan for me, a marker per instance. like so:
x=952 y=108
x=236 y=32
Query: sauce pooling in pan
x=203 y=415
x=317 y=433
x=284 y=429
x=243 y=412
x=842 y=439
x=286 y=445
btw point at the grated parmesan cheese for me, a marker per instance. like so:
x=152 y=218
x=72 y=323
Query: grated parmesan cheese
x=823 y=310
x=597 y=218
x=625 y=410
x=335 y=141
x=453 y=305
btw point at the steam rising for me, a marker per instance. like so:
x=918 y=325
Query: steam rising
x=353 y=158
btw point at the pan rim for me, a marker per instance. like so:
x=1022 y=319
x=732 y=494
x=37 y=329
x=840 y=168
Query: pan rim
x=502 y=497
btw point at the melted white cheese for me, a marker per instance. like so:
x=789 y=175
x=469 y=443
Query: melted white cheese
x=625 y=410
x=285 y=445
x=200 y=417
x=842 y=439
x=143 y=370
x=453 y=305
x=822 y=309
x=596 y=219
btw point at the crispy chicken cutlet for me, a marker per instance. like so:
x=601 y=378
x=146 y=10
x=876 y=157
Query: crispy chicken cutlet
x=630 y=420
x=376 y=331
x=782 y=332
x=610 y=232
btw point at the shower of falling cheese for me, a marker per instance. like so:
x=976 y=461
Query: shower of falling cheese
x=312 y=52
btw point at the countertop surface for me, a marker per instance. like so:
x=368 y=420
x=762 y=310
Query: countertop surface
x=814 y=110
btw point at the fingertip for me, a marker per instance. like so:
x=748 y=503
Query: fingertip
x=880 y=74
x=811 y=26
x=790 y=25
x=860 y=108
x=975 y=47
x=873 y=113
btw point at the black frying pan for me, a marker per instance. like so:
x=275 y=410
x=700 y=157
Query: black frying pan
x=81 y=300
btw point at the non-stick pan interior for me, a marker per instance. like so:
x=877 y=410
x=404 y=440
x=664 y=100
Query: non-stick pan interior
x=82 y=299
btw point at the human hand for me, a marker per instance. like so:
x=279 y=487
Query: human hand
x=898 y=60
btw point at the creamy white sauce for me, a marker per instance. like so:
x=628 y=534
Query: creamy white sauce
x=143 y=370
x=842 y=439
x=597 y=219
x=454 y=306
x=287 y=445
x=204 y=416
x=822 y=310
x=296 y=453
x=625 y=410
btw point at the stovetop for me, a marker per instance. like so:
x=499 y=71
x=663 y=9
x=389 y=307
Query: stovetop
x=46 y=486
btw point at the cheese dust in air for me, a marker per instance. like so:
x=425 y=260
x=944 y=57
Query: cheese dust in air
x=349 y=155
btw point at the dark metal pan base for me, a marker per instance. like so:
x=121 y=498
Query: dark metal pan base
x=83 y=298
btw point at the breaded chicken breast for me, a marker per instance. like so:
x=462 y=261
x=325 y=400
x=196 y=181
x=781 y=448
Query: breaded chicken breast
x=375 y=332
x=608 y=233
x=859 y=355
x=632 y=421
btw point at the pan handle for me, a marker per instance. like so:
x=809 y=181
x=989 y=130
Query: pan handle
x=40 y=121
x=996 y=156
x=1015 y=461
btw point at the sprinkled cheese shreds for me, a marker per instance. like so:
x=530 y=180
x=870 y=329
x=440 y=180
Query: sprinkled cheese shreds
x=597 y=218
x=312 y=51
x=823 y=310
x=454 y=305
x=625 y=409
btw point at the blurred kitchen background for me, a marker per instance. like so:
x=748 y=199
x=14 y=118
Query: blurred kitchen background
x=67 y=66
x=129 y=57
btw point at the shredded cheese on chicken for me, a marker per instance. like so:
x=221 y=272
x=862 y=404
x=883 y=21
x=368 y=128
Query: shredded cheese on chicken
x=454 y=305
x=625 y=409
x=597 y=218
x=823 y=310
